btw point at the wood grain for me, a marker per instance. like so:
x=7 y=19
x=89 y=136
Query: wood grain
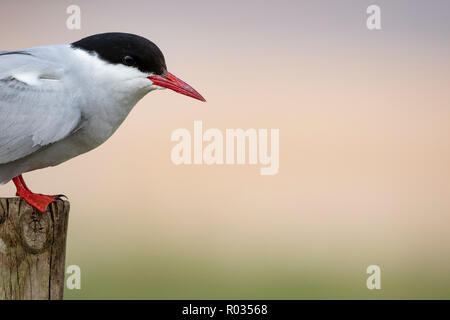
x=32 y=250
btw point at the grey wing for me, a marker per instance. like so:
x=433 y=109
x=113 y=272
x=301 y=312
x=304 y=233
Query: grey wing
x=36 y=107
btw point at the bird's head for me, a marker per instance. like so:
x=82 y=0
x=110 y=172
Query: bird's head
x=140 y=56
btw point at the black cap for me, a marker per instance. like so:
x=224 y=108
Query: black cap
x=125 y=48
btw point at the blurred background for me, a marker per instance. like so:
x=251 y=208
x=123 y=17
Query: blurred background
x=364 y=152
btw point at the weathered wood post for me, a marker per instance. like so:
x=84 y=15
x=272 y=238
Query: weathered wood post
x=32 y=250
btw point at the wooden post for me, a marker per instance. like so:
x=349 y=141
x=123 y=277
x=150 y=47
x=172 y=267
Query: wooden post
x=32 y=250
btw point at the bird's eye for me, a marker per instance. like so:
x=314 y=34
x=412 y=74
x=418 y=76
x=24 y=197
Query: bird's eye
x=128 y=61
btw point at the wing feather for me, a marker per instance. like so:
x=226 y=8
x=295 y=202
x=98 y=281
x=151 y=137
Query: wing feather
x=36 y=107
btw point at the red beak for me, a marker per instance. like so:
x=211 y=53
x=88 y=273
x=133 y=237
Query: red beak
x=173 y=83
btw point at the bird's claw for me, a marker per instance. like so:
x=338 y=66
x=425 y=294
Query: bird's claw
x=60 y=197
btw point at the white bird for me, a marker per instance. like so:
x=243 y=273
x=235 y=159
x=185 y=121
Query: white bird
x=57 y=102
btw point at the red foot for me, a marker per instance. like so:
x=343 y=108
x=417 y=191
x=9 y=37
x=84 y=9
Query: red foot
x=39 y=201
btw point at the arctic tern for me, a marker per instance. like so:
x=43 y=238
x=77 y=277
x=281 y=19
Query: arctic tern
x=60 y=101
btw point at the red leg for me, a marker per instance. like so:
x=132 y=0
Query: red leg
x=39 y=201
x=22 y=182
